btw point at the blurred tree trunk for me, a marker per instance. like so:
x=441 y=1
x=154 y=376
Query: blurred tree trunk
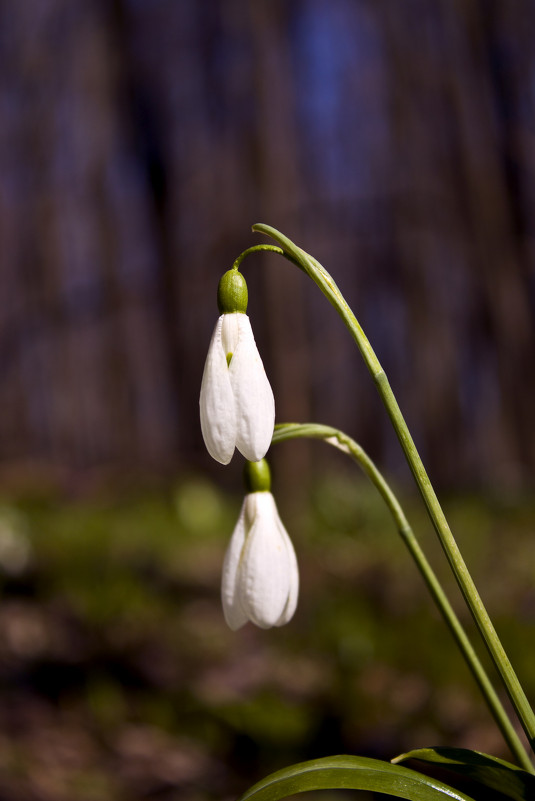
x=138 y=144
x=277 y=158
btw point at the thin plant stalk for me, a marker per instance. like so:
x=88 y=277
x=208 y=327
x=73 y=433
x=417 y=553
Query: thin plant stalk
x=466 y=584
x=344 y=443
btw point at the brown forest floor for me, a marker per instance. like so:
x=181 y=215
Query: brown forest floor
x=119 y=679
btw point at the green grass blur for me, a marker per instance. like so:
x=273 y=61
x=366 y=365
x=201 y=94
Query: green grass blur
x=119 y=678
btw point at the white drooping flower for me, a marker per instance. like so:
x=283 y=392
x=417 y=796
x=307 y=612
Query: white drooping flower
x=236 y=403
x=260 y=574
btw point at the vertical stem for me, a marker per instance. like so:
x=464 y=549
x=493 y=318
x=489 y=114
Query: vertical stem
x=457 y=563
x=327 y=285
x=348 y=445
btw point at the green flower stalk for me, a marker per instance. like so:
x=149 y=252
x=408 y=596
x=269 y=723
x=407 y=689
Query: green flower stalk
x=325 y=282
x=339 y=440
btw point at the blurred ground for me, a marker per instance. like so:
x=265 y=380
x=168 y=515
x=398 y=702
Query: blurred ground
x=119 y=679
x=140 y=140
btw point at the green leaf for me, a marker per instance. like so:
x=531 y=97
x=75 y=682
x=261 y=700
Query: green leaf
x=352 y=773
x=496 y=774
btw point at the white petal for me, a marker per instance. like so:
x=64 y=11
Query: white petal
x=265 y=573
x=217 y=405
x=291 y=604
x=230 y=331
x=255 y=405
x=232 y=608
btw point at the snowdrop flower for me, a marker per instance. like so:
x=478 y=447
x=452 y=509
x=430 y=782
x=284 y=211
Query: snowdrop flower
x=260 y=575
x=236 y=403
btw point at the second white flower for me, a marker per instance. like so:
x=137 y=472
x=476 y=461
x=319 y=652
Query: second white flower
x=260 y=574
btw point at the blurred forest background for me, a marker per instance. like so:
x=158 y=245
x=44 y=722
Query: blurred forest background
x=139 y=140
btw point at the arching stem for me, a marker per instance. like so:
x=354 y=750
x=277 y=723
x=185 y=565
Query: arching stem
x=344 y=443
x=486 y=628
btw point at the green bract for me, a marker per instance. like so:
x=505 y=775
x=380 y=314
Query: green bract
x=232 y=295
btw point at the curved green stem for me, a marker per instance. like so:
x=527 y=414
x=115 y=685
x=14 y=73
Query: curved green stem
x=344 y=443
x=259 y=249
x=327 y=285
